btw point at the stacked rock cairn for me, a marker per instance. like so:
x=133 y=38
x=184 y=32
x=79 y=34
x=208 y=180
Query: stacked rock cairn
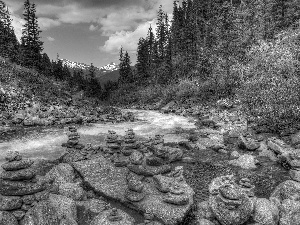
x=19 y=187
x=134 y=192
x=130 y=143
x=73 y=138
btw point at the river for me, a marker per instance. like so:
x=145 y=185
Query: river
x=46 y=143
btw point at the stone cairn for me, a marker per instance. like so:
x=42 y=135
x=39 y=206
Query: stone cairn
x=130 y=143
x=19 y=188
x=113 y=142
x=134 y=192
x=174 y=185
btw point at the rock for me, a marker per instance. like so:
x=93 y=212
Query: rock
x=17 y=165
x=154 y=161
x=265 y=212
x=103 y=177
x=106 y=218
x=278 y=146
x=134 y=196
x=43 y=195
x=61 y=173
x=19 y=188
x=41 y=214
x=290 y=212
x=228 y=202
x=188 y=160
x=65 y=207
x=234 y=155
x=71 y=190
x=295 y=175
x=295 y=138
x=13 y=156
x=244 y=161
x=19 y=214
x=7 y=218
x=23 y=174
x=173 y=154
x=10 y=203
x=176 y=199
x=204 y=211
x=248 y=143
x=136 y=157
x=205 y=222
x=28 y=199
x=286 y=190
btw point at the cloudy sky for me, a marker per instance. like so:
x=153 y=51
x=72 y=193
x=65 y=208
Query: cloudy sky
x=91 y=31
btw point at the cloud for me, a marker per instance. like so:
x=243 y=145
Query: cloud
x=51 y=39
x=93 y=28
x=47 y=23
x=127 y=39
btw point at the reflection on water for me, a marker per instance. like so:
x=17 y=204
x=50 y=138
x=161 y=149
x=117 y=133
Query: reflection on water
x=47 y=143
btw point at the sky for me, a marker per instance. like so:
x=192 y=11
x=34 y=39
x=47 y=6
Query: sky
x=91 y=31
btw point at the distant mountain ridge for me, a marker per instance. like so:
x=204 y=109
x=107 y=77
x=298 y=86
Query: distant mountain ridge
x=103 y=69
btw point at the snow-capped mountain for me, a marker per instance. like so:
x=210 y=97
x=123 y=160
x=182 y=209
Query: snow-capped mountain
x=103 y=69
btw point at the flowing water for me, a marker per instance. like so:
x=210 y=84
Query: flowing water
x=46 y=143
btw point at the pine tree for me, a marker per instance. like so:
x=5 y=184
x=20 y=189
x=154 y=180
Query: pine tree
x=9 y=45
x=31 y=45
x=126 y=74
x=142 y=61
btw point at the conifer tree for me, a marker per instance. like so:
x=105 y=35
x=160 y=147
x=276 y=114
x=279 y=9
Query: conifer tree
x=31 y=45
x=126 y=74
x=9 y=45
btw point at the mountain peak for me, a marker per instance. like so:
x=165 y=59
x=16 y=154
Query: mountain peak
x=77 y=65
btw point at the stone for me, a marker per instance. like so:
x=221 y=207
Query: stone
x=109 y=217
x=19 y=188
x=136 y=157
x=61 y=173
x=17 y=175
x=103 y=177
x=17 y=165
x=289 y=212
x=10 y=203
x=204 y=211
x=176 y=199
x=65 y=207
x=43 y=195
x=154 y=161
x=71 y=190
x=28 y=199
x=41 y=214
x=234 y=155
x=134 y=196
x=205 y=222
x=19 y=214
x=278 y=146
x=248 y=143
x=286 y=190
x=13 y=156
x=228 y=202
x=295 y=138
x=265 y=212
x=245 y=161
x=7 y=218
x=295 y=175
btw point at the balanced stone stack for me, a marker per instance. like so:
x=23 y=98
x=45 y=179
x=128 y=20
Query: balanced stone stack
x=18 y=185
x=73 y=137
x=130 y=143
x=134 y=193
x=112 y=141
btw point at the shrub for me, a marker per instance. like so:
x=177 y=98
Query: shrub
x=271 y=88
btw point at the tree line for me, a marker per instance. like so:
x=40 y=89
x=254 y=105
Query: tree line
x=207 y=39
x=28 y=52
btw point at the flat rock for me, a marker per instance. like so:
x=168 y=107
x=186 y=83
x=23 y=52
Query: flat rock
x=244 y=161
x=265 y=212
x=13 y=156
x=295 y=175
x=10 y=202
x=7 y=218
x=290 y=212
x=23 y=174
x=18 y=188
x=71 y=190
x=61 y=173
x=286 y=190
x=42 y=213
x=17 y=165
x=103 y=177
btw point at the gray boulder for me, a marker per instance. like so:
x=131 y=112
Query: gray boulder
x=7 y=218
